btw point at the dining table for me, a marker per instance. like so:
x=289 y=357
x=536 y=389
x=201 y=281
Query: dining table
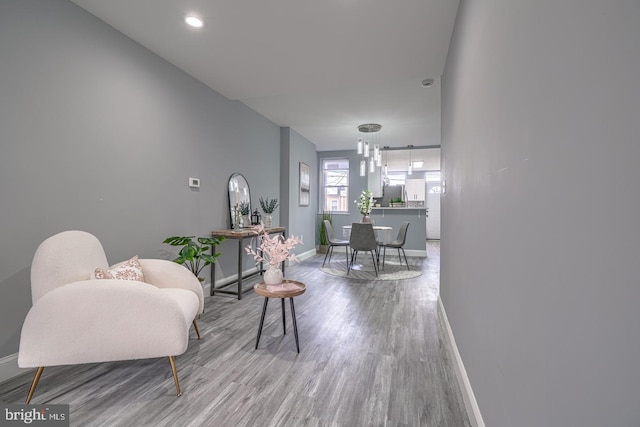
x=383 y=232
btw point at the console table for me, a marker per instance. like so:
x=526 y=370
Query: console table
x=239 y=235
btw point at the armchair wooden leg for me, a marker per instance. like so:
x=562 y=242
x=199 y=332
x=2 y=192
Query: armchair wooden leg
x=34 y=384
x=175 y=374
x=195 y=325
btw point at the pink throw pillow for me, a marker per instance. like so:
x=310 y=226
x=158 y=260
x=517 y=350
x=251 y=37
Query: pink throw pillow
x=128 y=270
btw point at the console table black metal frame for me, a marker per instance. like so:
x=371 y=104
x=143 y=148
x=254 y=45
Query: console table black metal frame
x=240 y=235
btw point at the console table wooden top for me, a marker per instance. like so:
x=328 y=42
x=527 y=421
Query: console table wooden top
x=241 y=233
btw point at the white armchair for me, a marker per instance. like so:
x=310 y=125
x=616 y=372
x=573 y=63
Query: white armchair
x=76 y=319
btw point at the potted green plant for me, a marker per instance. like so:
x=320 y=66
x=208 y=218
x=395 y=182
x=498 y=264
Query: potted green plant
x=195 y=254
x=323 y=236
x=268 y=207
x=396 y=203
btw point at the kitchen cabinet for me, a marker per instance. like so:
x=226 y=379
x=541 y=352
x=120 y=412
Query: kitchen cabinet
x=416 y=190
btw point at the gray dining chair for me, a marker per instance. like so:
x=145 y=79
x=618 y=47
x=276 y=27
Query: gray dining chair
x=363 y=238
x=398 y=244
x=333 y=241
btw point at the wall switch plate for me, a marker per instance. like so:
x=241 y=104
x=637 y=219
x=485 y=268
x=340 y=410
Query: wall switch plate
x=194 y=182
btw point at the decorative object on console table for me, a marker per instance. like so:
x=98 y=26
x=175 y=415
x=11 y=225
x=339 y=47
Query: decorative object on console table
x=195 y=255
x=273 y=250
x=365 y=204
x=244 y=211
x=268 y=207
x=256 y=218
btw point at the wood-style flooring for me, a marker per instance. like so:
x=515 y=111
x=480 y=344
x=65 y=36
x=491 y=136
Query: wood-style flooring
x=371 y=354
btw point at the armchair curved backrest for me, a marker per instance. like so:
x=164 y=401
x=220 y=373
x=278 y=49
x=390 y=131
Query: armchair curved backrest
x=65 y=258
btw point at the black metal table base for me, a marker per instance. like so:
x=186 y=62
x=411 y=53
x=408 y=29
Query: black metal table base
x=284 y=322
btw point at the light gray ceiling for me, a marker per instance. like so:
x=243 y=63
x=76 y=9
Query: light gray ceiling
x=319 y=67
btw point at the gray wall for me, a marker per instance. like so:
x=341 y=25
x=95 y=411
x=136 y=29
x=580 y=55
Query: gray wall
x=540 y=237
x=99 y=134
x=299 y=220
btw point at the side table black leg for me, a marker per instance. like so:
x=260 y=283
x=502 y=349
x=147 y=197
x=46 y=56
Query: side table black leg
x=264 y=310
x=284 y=320
x=295 y=325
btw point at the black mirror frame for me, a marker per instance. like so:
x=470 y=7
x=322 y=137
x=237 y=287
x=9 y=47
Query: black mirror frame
x=236 y=224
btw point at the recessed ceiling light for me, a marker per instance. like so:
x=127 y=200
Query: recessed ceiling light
x=418 y=163
x=427 y=83
x=194 y=21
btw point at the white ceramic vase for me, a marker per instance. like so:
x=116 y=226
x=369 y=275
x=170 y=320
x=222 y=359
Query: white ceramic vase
x=273 y=275
x=268 y=220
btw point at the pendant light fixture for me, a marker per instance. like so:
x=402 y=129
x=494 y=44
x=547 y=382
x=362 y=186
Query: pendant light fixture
x=369 y=147
x=386 y=157
x=410 y=162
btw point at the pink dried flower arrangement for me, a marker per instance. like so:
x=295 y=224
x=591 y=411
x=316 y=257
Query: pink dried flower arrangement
x=273 y=250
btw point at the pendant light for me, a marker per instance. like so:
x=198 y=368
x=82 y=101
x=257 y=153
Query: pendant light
x=386 y=164
x=369 y=147
x=410 y=162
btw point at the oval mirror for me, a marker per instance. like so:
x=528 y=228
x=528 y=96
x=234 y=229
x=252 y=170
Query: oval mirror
x=239 y=201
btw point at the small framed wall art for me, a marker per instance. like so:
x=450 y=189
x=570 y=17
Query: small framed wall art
x=305 y=184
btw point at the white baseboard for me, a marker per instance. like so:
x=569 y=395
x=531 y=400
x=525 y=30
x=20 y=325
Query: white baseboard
x=9 y=367
x=473 y=411
x=304 y=255
x=416 y=252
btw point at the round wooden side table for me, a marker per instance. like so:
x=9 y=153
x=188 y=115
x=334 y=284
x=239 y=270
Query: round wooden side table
x=287 y=289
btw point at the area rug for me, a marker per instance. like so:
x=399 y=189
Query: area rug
x=364 y=271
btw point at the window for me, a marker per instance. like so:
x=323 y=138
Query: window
x=335 y=181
